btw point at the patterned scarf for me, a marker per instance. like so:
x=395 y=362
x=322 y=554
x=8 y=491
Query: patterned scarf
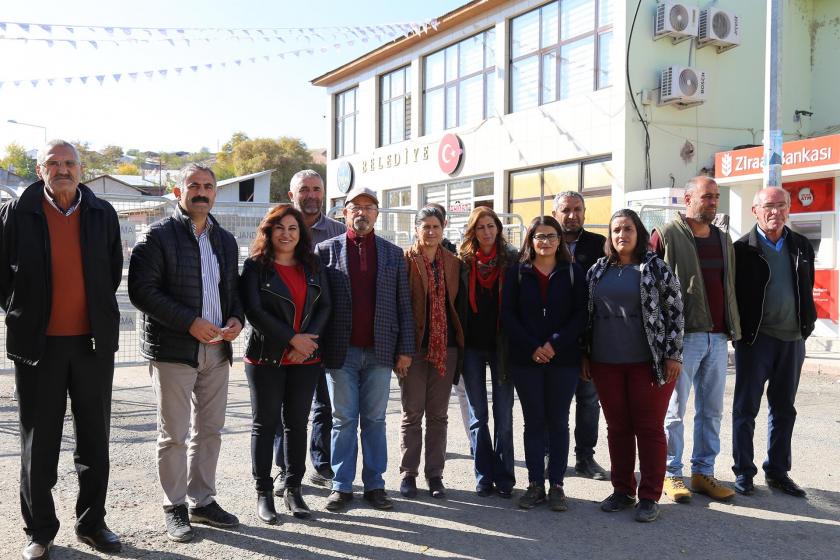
x=437 y=313
x=485 y=271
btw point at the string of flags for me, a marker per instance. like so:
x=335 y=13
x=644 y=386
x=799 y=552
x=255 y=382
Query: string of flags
x=162 y=73
x=95 y=35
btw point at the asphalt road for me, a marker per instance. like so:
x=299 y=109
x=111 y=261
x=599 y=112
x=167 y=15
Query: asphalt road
x=768 y=525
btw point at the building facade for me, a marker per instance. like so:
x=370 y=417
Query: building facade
x=506 y=103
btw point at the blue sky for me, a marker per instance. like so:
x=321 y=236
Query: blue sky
x=263 y=99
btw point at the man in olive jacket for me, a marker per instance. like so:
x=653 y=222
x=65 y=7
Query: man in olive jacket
x=183 y=276
x=60 y=267
x=702 y=257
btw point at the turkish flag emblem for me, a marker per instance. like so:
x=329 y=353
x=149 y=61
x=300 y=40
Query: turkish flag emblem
x=450 y=153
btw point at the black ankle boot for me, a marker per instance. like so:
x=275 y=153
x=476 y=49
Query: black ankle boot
x=265 y=507
x=294 y=501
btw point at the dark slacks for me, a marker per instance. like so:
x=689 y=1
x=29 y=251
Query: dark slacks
x=545 y=393
x=319 y=441
x=634 y=407
x=778 y=364
x=69 y=366
x=280 y=392
x=587 y=413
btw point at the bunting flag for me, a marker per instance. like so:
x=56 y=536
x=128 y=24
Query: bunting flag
x=107 y=34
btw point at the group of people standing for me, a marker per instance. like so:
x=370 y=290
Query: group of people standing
x=633 y=320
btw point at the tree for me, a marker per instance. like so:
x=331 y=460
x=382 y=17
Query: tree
x=128 y=169
x=18 y=162
x=243 y=155
x=94 y=164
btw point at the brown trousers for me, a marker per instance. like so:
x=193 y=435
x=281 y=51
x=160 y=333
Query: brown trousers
x=425 y=392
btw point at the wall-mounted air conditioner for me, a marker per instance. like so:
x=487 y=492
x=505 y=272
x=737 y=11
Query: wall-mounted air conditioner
x=676 y=20
x=719 y=28
x=682 y=87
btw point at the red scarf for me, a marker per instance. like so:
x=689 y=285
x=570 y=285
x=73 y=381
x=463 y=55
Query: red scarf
x=437 y=313
x=485 y=271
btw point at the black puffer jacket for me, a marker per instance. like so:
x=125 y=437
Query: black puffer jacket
x=164 y=282
x=25 y=277
x=271 y=311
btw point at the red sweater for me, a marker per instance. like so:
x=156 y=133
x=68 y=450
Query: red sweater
x=69 y=310
x=361 y=262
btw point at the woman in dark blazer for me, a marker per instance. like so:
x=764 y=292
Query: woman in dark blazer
x=287 y=302
x=543 y=314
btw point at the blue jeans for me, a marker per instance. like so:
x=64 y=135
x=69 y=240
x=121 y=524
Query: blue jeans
x=359 y=392
x=319 y=441
x=778 y=364
x=545 y=393
x=493 y=459
x=704 y=368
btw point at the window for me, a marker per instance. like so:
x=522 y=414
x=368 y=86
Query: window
x=532 y=191
x=560 y=50
x=459 y=198
x=395 y=106
x=397 y=226
x=459 y=83
x=345 y=123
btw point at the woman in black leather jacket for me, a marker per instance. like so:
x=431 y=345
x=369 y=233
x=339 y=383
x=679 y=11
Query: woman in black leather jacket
x=287 y=302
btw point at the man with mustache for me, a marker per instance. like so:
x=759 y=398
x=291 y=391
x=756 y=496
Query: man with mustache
x=183 y=276
x=306 y=191
x=702 y=257
x=586 y=247
x=371 y=332
x=60 y=265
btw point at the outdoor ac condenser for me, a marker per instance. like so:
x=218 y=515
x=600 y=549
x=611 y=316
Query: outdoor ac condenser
x=682 y=87
x=720 y=28
x=676 y=20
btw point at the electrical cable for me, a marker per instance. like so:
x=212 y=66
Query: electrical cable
x=633 y=99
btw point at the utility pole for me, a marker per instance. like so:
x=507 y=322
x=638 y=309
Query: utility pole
x=773 y=96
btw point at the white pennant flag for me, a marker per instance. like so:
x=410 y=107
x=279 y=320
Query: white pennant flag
x=209 y=66
x=17 y=83
x=178 y=71
x=133 y=76
x=238 y=62
x=194 y=68
x=171 y=42
x=109 y=30
x=49 y=43
x=68 y=81
x=84 y=79
x=252 y=59
x=24 y=27
x=434 y=24
x=51 y=81
x=100 y=78
x=47 y=28
x=116 y=77
x=93 y=44
x=223 y=64
x=126 y=30
x=162 y=32
x=281 y=55
x=72 y=43
x=267 y=58
x=162 y=73
x=149 y=74
x=34 y=83
x=70 y=30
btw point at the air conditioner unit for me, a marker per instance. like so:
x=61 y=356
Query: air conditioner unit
x=682 y=87
x=676 y=20
x=719 y=28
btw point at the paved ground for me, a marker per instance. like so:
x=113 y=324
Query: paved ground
x=767 y=525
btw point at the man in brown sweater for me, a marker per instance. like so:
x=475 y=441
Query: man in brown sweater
x=60 y=266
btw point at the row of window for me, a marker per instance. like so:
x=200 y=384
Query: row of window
x=557 y=51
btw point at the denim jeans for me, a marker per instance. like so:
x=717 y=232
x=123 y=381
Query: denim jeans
x=545 y=393
x=493 y=459
x=587 y=413
x=359 y=392
x=319 y=441
x=704 y=368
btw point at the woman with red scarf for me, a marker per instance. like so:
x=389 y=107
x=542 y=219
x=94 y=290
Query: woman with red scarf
x=433 y=275
x=485 y=256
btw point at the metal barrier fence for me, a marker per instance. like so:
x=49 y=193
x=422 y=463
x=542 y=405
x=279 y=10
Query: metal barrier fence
x=137 y=213
x=656 y=215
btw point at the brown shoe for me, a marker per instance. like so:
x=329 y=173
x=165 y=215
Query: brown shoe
x=709 y=485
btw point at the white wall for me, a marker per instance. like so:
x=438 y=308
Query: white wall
x=106 y=185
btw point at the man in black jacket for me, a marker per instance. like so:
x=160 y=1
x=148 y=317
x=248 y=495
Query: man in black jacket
x=183 y=276
x=60 y=267
x=586 y=247
x=774 y=281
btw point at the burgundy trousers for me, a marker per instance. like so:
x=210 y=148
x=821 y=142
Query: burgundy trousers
x=634 y=407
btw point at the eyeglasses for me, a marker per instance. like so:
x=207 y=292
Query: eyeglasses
x=546 y=238
x=366 y=209
x=778 y=207
x=56 y=164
